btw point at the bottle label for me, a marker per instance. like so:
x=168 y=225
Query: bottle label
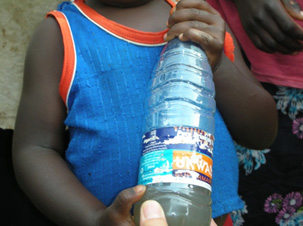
x=177 y=155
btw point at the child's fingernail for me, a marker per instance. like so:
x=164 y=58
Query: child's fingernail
x=152 y=209
x=301 y=13
x=172 y=10
x=139 y=188
x=180 y=36
x=165 y=37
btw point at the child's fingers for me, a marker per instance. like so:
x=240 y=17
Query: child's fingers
x=197 y=21
x=190 y=14
x=182 y=27
x=212 y=45
x=193 y=10
x=118 y=213
x=125 y=200
x=194 y=14
x=212 y=40
x=198 y=4
x=204 y=39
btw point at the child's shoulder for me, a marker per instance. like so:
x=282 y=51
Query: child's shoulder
x=47 y=34
x=45 y=51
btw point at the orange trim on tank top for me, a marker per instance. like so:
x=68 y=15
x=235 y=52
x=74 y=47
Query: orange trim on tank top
x=229 y=46
x=121 y=30
x=140 y=36
x=69 y=49
x=69 y=55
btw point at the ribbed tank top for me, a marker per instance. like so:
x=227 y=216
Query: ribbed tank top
x=105 y=75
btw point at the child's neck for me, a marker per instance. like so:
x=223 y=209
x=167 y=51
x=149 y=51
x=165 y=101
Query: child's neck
x=149 y=17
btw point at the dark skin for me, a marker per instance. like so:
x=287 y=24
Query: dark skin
x=270 y=24
x=38 y=144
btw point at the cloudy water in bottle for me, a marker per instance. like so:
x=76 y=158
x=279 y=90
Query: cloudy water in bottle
x=178 y=136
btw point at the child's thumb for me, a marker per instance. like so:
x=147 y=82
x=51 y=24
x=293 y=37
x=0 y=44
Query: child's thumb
x=127 y=198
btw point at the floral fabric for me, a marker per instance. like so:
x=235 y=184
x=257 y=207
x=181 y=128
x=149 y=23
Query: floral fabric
x=271 y=180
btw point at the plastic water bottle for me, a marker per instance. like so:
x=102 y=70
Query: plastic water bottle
x=177 y=143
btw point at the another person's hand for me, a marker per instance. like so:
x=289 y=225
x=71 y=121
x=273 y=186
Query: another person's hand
x=197 y=21
x=270 y=24
x=151 y=214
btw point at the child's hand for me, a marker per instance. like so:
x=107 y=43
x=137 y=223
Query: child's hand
x=118 y=214
x=197 y=21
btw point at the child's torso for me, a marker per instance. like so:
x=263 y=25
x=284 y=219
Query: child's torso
x=104 y=88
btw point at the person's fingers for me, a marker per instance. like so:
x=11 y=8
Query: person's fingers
x=276 y=40
x=270 y=26
x=151 y=214
x=125 y=200
x=293 y=8
x=270 y=40
x=258 y=42
x=286 y=23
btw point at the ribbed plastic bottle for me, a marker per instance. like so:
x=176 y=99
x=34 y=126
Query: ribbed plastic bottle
x=178 y=136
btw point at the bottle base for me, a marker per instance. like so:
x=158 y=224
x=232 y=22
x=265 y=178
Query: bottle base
x=183 y=204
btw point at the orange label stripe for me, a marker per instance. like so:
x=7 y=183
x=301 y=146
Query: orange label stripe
x=187 y=160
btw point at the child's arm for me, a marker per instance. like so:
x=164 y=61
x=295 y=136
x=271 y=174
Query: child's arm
x=39 y=144
x=269 y=26
x=248 y=110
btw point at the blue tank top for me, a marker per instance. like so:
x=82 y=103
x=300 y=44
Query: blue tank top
x=105 y=75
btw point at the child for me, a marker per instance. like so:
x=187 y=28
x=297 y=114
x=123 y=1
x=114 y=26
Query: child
x=90 y=74
x=271 y=180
